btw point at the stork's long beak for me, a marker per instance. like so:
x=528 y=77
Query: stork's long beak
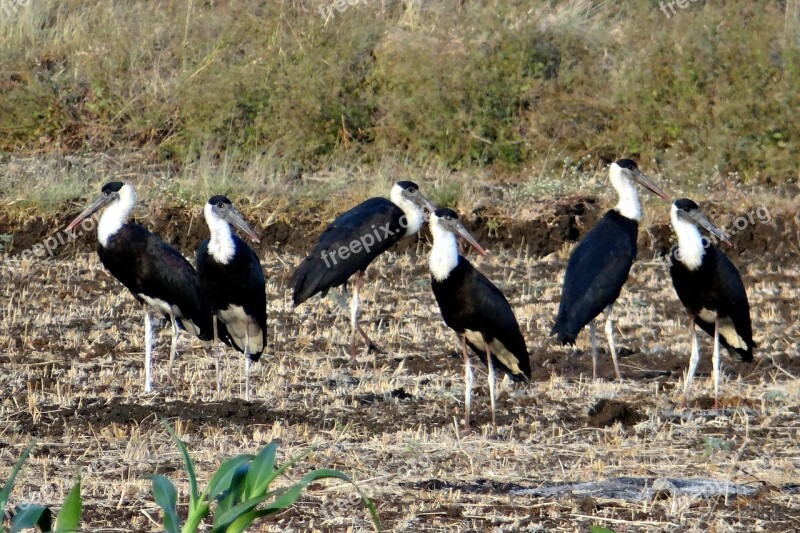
x=426 y=205
x=462 y=231
x=645 y=181
x=95 y=206
x=233 y=217
x=696 y=217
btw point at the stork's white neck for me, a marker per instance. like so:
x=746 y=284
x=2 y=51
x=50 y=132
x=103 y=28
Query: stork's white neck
x=116 y=214
x=220 y=246
x=444 y=253
x=690 y=241
x=628 y=205
x=414 y=215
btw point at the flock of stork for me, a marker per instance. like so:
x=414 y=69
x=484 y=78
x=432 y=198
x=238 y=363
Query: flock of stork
x=225 y=298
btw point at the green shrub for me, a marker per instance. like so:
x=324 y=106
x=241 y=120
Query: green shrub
x=239 y=492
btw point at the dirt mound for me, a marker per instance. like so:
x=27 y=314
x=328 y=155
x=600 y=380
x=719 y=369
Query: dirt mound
x=606 y=413
x=556 y=222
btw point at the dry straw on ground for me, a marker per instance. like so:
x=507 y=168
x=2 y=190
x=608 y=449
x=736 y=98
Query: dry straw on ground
x=71 y=344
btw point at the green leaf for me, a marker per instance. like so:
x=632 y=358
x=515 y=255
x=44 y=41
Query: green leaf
x=260 y=475
x=286 y=499
x=221 y=480
x=187 y=461
x=70 y=513
x=6 y=490
x=233 y=496
x=166 y=497
x=600 y=529
x=31 y=516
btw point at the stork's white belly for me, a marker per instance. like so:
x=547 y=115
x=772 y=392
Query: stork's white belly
x=242 y=328
x=497 y=348
x=726 y=329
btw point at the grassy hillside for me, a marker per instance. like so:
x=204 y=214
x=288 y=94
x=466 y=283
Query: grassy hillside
x=505 y=85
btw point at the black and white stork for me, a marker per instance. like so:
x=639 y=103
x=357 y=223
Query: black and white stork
x=599 y=265
x=711 y=290
x=474 y=308
x=353 y=240
x=233 y=281
x=157 y=275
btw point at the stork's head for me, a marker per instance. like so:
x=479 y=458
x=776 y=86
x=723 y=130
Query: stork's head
x=119 y=197
x=686 y=212
x=219 y=210
x=417 y=208
x=623 y=173
x=446 y=220
x=445 y=229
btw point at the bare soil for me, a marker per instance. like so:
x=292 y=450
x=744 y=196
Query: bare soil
x=71 y=349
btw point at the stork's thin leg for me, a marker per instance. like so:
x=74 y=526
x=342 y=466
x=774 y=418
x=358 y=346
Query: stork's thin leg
x=247 y=363
x=467 y=381
x=490 y=366
x=354 y=315
x=593 y=339
x=219 y=355
x=174 y=346
x=694 y=359
x=342 y=301
x=715 y=361
x=610 y=335
x=148 y=350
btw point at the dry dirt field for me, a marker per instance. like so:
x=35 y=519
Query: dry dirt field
x=71 y=350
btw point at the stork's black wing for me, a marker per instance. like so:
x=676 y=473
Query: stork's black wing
x=348 y=245
x=470 y=302
x=240 y=282
x=146 y=265
x=596 y=271
x=716 y=286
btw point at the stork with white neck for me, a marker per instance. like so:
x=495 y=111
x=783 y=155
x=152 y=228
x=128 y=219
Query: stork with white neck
x=157 y=275
x=474 y=308
x=710 y=288
x=353 y=240
x=233 y=281
x=599 y=265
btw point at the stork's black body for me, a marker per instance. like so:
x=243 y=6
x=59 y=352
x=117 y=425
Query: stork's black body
x=149 y=267
x=469 y=302
x=353 y=240
x=596 y=271
x=717 y=287
x=238 y=283
x=375 y=224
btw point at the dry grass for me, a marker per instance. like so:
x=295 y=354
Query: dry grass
x=467 y=84
x=71 y=341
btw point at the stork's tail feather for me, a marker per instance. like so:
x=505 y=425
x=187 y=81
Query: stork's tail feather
x=304 y=280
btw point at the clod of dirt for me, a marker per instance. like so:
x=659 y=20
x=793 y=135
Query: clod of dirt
x=607 y=412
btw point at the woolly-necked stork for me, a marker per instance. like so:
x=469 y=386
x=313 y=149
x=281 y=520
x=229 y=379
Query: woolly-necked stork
x=599 y=265
x=159 y=277
x=233 y=281
x=353 y=240
x=711 y=290
x=474 y=308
